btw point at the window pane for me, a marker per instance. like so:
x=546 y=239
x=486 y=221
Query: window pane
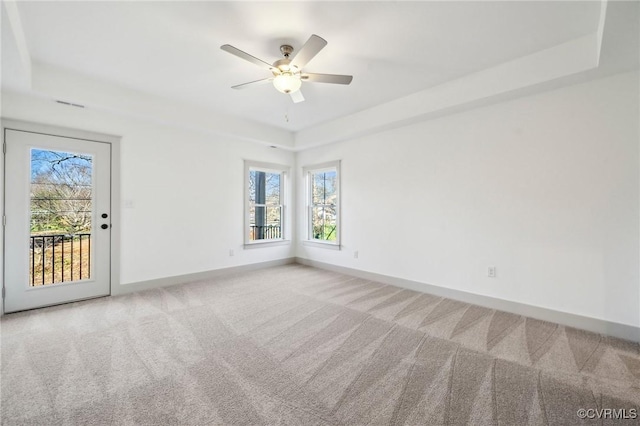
x=323 y=222
x=265 y=188
x=323 y=187
x=273 y=215
x=252 y=223
x=273 y=229
x=272 y=190
x=259 y=179
x=317 y=223
x=252 y=186
x=257 y=222
x=265 y=223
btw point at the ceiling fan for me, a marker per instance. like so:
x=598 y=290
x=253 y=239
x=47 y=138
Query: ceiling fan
x=287 y=73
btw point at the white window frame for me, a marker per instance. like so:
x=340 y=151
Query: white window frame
x=284 y=198
x=307 y=171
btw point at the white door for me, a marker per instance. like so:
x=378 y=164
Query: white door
x=58 y=219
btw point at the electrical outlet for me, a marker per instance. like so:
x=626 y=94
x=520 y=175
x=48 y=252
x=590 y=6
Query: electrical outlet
x=231 y=252
x=491 y=271
x=355 y=254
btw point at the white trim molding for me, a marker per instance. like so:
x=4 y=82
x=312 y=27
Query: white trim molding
x=308 y=203
x=199 y=276
x=595 y=325
x=285 y=201
x=114 y=141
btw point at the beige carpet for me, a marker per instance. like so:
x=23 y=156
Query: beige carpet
x=294 y=345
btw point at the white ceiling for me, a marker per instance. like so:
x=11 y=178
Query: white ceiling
x=171 y=49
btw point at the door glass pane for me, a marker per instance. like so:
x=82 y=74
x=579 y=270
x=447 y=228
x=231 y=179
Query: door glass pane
x=61 y=216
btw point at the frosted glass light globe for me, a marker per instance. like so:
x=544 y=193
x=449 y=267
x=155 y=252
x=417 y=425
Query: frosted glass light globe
x=287 y=82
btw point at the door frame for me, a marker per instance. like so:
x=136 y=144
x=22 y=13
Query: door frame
x=114 y=141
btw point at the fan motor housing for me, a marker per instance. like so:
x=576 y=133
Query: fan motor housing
x=283 y=66
x=286 y=50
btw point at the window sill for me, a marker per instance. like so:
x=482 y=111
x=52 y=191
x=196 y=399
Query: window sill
x=320 y=244
x=259 y=244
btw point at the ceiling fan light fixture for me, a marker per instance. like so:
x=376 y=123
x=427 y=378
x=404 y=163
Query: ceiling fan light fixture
x=287 y=72
x=287 y=82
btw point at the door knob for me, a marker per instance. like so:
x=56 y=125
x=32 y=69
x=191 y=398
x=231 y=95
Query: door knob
x=104 y=215
x=104 y=226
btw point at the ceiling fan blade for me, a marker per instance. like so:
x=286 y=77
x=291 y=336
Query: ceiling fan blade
x=308 y=51
x=297 y=96
x=252 y=83
x=327 y=78
x=244 y=55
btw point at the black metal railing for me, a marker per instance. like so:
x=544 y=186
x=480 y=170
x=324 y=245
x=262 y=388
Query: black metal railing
x=264 y=232
x=59 y=258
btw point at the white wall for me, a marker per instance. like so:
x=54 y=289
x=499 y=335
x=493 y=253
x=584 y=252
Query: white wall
x=181 y=190
x=187 y=203
x=546 y=188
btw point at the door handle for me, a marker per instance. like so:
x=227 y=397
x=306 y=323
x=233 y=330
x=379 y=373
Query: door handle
x=104 y=226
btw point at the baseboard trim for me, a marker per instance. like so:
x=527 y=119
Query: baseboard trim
x=197 y=276
x=595 y=325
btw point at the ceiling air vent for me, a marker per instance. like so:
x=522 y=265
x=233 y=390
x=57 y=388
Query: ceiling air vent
x=70 y=104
